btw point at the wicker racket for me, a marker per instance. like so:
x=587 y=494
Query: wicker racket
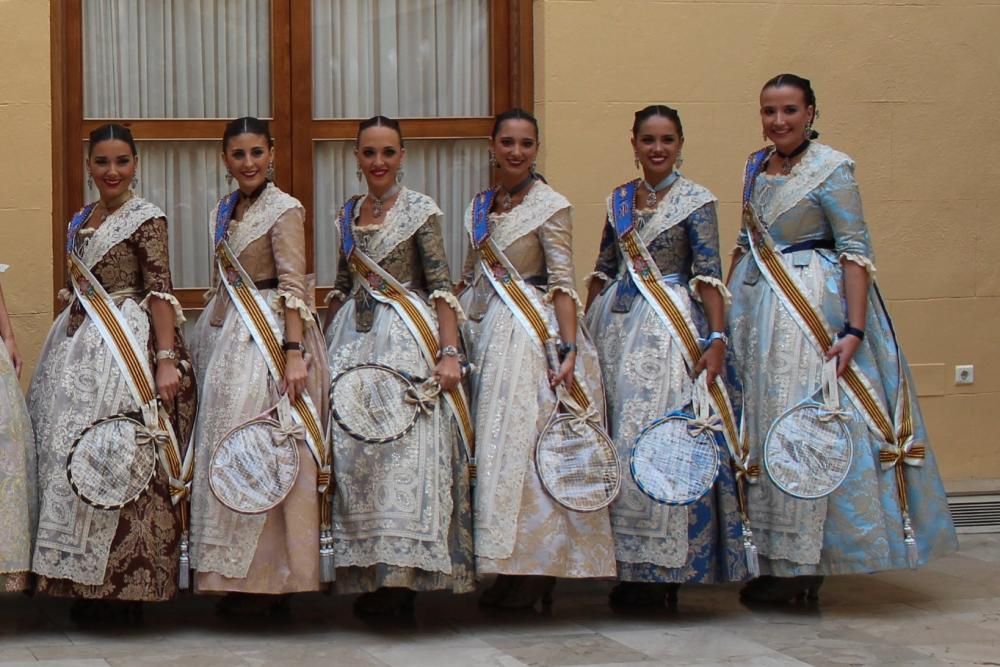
x=378 y=404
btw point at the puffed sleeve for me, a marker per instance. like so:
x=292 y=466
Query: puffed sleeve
x=154 y=262
x=557 y=243
x=706 y=266
x=288 y=243
x=434 y=260
x=841 y=201
x=606 y=266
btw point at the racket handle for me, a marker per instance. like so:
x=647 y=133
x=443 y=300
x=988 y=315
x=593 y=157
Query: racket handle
x=552 y=354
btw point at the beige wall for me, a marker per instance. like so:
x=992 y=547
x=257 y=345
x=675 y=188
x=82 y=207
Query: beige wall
x=26 y=171
x=909 y=89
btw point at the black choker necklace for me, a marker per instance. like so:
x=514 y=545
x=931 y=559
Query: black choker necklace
x=507 y=200
x=256 y=192
x=786 y=160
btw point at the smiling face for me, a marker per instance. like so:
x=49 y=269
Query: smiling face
x=515 y=148
x=380 y=155
x=784 y=116
x=112 y=167
x=247 y=157
x=657 y=145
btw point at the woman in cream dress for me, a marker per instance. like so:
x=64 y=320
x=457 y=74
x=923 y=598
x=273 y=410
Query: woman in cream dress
x=18 y=495
x=276 y=552
x=521 y=533
x=402 y=521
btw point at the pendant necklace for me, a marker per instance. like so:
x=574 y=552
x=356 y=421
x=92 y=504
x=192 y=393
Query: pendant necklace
x=651 y=199
x=507 y=198
x=379 y=202
x=786 y=160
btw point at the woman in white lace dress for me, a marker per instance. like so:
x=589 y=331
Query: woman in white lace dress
x=18 y=499
x=402 y=521
x=523 y=535
x=276 y=552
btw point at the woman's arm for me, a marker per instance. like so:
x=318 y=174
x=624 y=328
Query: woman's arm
x=437 y=275
x=163 y=306
x=7 y=334
x=288 y=246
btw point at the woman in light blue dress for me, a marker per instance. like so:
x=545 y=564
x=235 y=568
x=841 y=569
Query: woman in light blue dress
x=806 y=196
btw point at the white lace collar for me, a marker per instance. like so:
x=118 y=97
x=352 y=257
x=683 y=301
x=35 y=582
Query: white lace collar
x=537 y=207
x=408 y=214
x=118 y=227
x=816 y=166
x=684 y=198
x=259 y=217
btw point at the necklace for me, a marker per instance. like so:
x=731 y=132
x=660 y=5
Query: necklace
x=507 y=199
x=379 y=202
x=659 y=187
x=786 y=160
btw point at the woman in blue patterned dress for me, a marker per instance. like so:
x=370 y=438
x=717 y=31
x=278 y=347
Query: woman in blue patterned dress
x=805 y=195
x=659 y=546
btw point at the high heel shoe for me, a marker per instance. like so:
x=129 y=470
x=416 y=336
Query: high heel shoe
x=385 y=601
x=501 y=588
x=527 y=591
x=775 y=590
x=642 y=594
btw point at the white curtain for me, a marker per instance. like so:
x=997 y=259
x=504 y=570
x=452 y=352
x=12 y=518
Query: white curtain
x=400 y=58
x=176 y=58
x=451 y=171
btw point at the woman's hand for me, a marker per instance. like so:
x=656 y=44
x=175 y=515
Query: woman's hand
x=296 y=375
x=844 y=349
x=448 y=373
x=15 y=356
x=565 y=374
x=712 y=360
x=168 y=380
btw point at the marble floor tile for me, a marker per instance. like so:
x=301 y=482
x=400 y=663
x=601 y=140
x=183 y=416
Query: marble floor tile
x=945 y=614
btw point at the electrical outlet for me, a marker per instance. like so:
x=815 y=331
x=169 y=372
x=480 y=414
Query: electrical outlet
x=965 y=374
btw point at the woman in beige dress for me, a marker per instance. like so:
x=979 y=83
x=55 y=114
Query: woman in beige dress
x=276 y=552
x=521 y=534
x=18 y=496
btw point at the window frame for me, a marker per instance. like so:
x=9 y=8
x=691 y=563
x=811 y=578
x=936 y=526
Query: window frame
x=294 y=129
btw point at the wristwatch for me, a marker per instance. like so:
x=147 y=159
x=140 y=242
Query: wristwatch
x=714 y=336
x=166 y=354
x=848 y=330
x=289 y=346
x=564 y=349
x=448 y=351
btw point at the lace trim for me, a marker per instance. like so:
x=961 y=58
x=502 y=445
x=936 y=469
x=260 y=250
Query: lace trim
x=279 y=300
x=861 y=260
x=451 y=300
x=600 y=275
x=409 y=212
x=179 y=318
x=727 y=297
x=118 y=227
x=684 y=198
x=550 y=297
x=539 y=205
x=65 y=295
x=259 y=218
x=816 y=166
x=209 y=294
x=334 y=294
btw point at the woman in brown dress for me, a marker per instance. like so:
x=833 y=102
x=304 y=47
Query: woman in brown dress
x=129 y=554
x=275 y=552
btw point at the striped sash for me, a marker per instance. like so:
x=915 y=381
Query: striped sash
x=384 y=288
x=899 y=447
x=132 y=361
x=268 y=336
x=649 y=281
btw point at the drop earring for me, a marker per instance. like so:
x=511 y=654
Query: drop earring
x=90 y=181
x=229 y=177
x=357 y=173
x=134 y=185
x=679 y=161
x=270 y=171
x=534 y=170
x=399 y=175
x=637 y=161
x=493 y=160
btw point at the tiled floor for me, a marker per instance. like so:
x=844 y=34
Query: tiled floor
x=946 y=614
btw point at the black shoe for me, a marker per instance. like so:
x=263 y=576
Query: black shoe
x=528 y=591
x=642 y=594
x=386 y=601
x=781 y=590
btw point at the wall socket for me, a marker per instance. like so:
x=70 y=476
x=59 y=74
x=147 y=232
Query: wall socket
x=965 y=374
